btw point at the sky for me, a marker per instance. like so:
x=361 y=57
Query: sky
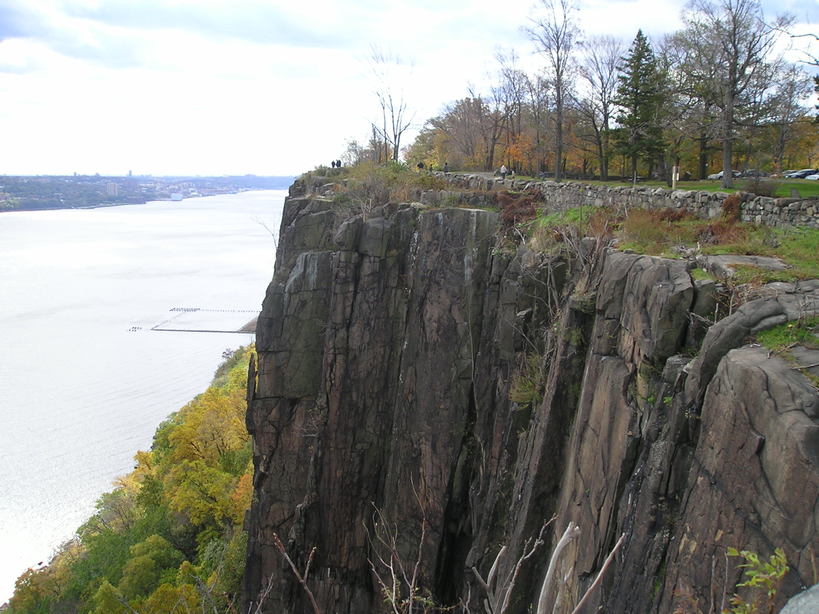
x=268 y=87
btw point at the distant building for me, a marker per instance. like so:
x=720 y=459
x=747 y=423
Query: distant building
x=111 y=189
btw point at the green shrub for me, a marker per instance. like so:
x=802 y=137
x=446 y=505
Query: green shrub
x=765 y=577
x=526 y=388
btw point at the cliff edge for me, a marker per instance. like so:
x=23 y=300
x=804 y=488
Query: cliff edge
x=426 y=399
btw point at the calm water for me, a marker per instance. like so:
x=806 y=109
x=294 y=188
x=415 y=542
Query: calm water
x=84 y=381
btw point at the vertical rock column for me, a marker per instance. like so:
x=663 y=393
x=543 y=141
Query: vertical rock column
x=366 y=344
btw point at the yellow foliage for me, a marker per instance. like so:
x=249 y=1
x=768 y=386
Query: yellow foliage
x=242 y=495
x=212 y=424
x=169 y=598
x=200 y=492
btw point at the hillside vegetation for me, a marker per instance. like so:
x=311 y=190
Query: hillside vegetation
x=169 y=536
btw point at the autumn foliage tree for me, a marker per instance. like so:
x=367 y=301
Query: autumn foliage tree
x=169 y=537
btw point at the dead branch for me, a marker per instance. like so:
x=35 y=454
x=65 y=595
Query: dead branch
x=600 y=574
x=302 y=578
x=570 y=534
x=498 y=596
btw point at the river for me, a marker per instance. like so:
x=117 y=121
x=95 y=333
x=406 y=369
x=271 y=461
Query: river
x=85 y=377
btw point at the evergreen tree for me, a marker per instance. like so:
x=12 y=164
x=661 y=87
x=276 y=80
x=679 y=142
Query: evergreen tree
x=639 y=99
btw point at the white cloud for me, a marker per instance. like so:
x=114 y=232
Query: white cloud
x=262 y=86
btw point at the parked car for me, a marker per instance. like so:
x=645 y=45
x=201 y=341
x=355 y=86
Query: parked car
x=801 y=174
x=754 y=172
x=719 y=175
x=814 y=177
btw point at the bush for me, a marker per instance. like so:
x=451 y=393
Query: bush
x=764 y=579
x=723 y=232
x=759 y=186
x=516 y=208
x=732 y=208
x=526 y=389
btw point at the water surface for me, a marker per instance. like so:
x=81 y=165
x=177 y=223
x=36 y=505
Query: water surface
x=84 y=381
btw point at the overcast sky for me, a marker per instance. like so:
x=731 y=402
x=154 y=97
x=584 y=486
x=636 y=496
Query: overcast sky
x=252 y=86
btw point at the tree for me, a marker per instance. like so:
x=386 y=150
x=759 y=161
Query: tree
x=697 y=77
x=538 y=102
x=738 y=44
x=793 y=87
x=555 y=35
x=511 y=93
x=394 y=118
x=599 y=70
x=638 y=97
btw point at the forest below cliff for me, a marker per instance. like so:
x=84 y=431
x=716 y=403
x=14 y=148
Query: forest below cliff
x=169 y=536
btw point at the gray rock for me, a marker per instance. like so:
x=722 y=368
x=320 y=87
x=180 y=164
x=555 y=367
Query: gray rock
x=806 y=602
x=724 y=266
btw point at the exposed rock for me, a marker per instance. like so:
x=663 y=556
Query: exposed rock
x=754 y=479
x=388 y=345
x=806 y=602
x=724 y=266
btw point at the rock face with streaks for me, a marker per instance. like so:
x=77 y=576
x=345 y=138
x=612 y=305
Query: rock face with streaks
x=426 y=397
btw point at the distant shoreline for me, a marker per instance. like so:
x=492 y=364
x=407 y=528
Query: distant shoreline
x=50 y=193
x=155 y=200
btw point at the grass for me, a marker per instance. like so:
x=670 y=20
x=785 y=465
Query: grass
x=658 y=233
x=576 y=215
x=780 y=338
x=699 y=274
x=797 y=247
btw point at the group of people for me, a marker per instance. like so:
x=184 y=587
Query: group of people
x=503 y=172
x=421 y=166
x=336 y=164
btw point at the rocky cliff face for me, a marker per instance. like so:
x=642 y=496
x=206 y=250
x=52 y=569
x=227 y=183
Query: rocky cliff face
x=424 y=399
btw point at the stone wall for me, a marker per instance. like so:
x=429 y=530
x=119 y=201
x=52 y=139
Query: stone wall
x=757 y=209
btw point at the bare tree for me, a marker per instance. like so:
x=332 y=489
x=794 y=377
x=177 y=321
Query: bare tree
x=555 y=35
x=499 y=590
x=793 y=87
x=539 y=99
x=740 y=45
x=513 y=86
x=395 y=119
x=601 y=56
x=697 y=76
x=491 y=123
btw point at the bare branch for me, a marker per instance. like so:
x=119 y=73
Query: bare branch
x=301 y=578
x=600 y=574
x=570 y=534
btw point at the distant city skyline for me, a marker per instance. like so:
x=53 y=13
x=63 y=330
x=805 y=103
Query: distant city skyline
x=212 y=87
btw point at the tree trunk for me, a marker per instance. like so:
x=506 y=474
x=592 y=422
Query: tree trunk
x=728 y=130
x=559 y=142
x=702 y=171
